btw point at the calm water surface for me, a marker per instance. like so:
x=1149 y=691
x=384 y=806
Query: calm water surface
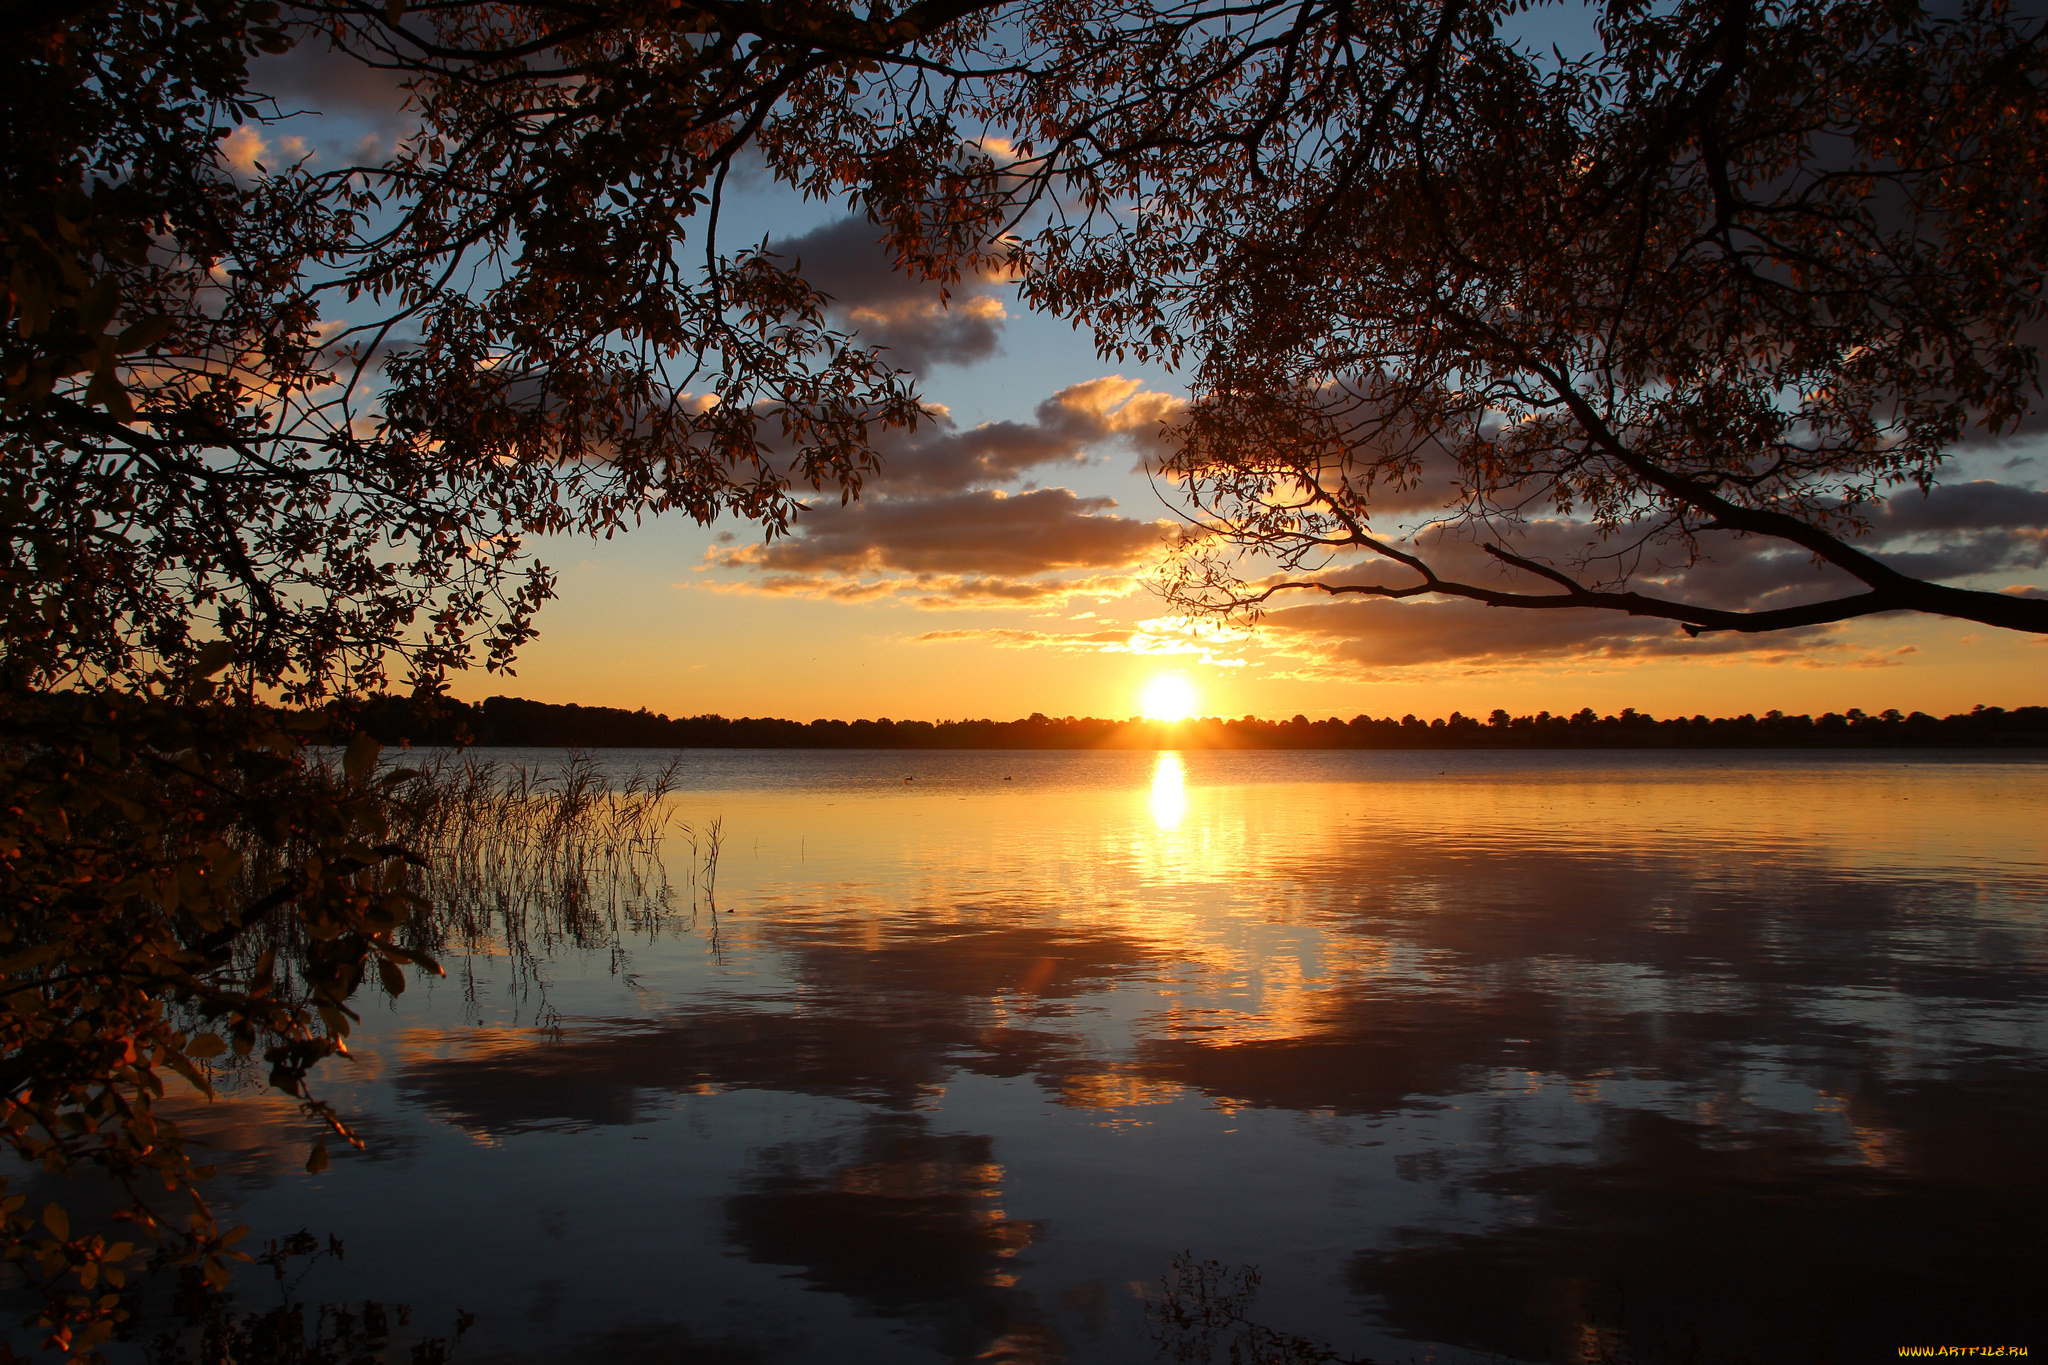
x=1474 y=1057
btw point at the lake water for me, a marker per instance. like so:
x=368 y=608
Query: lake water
x=1551 y=1057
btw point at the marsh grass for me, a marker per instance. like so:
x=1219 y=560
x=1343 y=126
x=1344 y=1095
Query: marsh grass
x=204 y=1326
x=519 y=862
x=504 y=863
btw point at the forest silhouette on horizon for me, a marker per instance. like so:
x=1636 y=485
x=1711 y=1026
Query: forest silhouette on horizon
x=517 y=722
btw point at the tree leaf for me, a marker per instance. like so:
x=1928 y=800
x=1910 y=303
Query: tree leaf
x=141 y=335
x=361 y=759
x=105 y=391
x=213 y=656
x=28 y=957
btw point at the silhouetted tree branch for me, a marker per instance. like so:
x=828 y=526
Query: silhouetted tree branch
x=1744 y=275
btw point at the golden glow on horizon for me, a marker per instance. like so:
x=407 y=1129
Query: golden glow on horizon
x=1169 y=791
x=1168 y=697
x=625 y=635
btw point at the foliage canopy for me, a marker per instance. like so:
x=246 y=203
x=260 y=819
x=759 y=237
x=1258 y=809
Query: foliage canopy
x=1741 y=270
x=1523 y=325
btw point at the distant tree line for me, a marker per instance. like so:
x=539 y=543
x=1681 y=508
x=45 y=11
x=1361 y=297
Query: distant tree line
x=513 y=721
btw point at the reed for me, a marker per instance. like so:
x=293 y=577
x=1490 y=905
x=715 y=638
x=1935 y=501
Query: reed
x=704 y=859
x=519 y=862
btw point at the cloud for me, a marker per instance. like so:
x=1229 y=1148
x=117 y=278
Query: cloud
x=1348 y=638
x=1213 y=647
x=1964 y=530
x=1975 y=505
x=984 y=531
x=974 y=546
x=932 y=529
x=943 y=458
x=913 y=318
x=1954 y=533
x=316 y=77
x=243 y=149
x=1733 y=572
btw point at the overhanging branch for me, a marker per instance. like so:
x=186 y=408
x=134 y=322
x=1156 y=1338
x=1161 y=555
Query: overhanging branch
x=1986 y=608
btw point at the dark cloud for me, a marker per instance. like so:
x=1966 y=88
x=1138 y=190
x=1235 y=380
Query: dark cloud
x=1379 y=632
x=1977 y=505
x=983 y=531
x=316 y=77
x=995 y=452
x=847 y=261
x=1376 y=633
x=942 y=457
x=1063 y=429
x=915 y=319
x=1989 y=552
x=1975 y=530
x=1957 y=512
x=976 y=545
x=930 y=527
x=1732 y=571
x=361 y=110
x=1956 y=531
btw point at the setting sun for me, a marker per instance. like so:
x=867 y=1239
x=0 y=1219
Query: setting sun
x=1168 y=697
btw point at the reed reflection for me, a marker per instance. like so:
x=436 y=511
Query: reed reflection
x=1169 y=791
x=520 y=863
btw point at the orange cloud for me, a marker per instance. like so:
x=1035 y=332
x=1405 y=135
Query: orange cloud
x=1111 y=410
x=981 y=547
x=1193 y=641
x=932 y=531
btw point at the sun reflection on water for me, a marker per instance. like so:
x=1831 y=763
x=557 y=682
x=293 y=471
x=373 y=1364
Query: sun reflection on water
x=1169 y=791
x=1321 y=963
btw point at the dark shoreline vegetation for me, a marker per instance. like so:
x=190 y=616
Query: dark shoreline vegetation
x=513 y=722
x=186 y=965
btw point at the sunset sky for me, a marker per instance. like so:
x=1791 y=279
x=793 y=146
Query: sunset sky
x=1000 y=566
x=1001 y=562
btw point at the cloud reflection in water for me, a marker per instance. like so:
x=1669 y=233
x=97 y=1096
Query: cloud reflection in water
x=1639 y=1046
